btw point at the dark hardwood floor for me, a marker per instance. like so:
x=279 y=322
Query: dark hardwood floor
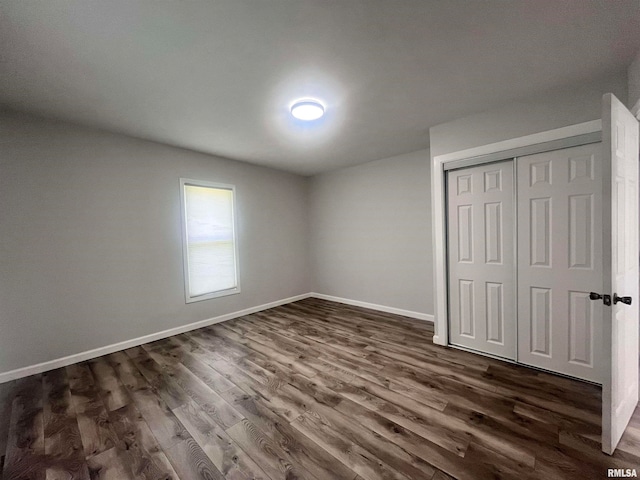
x=312 y=390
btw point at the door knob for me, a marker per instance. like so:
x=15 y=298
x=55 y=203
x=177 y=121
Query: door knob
x=625 y=300
x=606 y=299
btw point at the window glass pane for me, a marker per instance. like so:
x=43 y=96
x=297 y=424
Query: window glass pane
x=210 y=241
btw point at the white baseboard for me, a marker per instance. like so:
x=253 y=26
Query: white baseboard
x=116 y=347
x=373 y=306
x=98 y=352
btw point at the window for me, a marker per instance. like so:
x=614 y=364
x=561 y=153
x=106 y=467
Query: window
x=208 y=240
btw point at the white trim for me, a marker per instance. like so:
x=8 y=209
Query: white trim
x=503 y=155
x=543 y=137
x=107 y=349
x=439 y=203
x=373 y=306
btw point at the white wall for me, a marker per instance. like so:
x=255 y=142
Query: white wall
x=90 y=245
x=371 y=233
x=540 y=112
x=90 y=251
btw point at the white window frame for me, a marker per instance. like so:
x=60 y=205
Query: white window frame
x=185 y=248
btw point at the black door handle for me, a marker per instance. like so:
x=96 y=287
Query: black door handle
x=625 y=300
x=606 y=299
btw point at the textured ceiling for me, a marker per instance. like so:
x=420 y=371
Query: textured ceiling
x=219 y=76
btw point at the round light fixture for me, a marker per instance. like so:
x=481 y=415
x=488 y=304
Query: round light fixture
x=307 y=110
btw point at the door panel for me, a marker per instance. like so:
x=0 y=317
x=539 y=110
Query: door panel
x=465 y=233
x=493 y=233
x=560 y=260
x=581 y=329
x=540 y=321
x=495 y=313
x=580 y=235
x=620 y=323
x=540 y=231
x=481 y=258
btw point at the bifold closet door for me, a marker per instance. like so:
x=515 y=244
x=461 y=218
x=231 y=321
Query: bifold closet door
x=482 y=291
x=560 y=260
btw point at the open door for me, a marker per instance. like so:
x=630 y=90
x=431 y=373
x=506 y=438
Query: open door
x=620 y=320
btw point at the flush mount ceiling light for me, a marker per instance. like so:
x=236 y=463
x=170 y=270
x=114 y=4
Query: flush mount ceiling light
x=307 y=110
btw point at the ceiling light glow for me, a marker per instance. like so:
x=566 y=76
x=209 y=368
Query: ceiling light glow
x=307 y=110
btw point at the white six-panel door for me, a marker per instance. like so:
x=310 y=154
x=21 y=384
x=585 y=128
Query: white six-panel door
x=560 y=260
x=620 y=323
x=481 y=258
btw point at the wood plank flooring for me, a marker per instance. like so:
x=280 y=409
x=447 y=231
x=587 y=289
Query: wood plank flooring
x=310 y=390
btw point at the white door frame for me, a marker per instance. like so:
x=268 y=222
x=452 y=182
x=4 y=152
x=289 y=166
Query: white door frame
x=438 y=182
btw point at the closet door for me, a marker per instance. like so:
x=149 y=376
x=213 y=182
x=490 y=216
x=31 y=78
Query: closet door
x=481 y=258
x=560 y=260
